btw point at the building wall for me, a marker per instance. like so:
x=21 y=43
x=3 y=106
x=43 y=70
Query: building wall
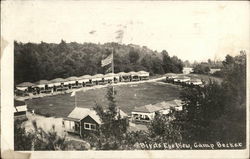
x=88 y=119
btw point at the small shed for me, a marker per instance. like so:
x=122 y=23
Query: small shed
x=20 y=109
x=81 y=120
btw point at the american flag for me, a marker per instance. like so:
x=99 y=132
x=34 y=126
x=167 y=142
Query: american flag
x=107 y=60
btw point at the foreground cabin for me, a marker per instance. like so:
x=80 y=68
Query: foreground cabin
x=81 y=121
x=20 y=109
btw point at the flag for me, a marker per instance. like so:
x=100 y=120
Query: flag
x=107 y=60
x=109 y=69
x=73 y=94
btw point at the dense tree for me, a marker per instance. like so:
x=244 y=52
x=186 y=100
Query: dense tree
x=33 y=62
x=113 y=127
x=216 y=112
x=202 y=68
x=202 y=105
x=163 y=130
x=22 y=140
x=37 y=139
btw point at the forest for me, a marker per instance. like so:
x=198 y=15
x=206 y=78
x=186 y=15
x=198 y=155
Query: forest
x=46 y=61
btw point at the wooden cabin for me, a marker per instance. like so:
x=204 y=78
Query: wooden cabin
x=72 y=82
x=181 y=79
x=111 y=77
x=25 y=88
x=81 y=120
x=143 y=75
x=85 y=80
x=97 y=79
x=20 y=109
x=57 y=84
x=134 y=76
x=170 y=77
x=144 y=113
x=196 y=82
x=124 y=77
x=42 y=86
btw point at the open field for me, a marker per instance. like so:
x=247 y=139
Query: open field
x=128 y=96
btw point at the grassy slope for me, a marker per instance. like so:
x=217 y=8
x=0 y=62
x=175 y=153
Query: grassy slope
x=128 y=96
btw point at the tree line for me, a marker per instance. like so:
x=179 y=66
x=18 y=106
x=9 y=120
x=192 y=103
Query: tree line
x=33 y=62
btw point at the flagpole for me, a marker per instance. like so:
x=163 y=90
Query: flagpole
x=75 y=99
x=113 y=81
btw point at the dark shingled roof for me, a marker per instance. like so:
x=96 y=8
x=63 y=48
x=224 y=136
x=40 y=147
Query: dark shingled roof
x=25 y=84
x=18 y=103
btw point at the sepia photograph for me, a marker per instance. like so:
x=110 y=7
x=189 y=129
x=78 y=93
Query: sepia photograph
x=130 y=76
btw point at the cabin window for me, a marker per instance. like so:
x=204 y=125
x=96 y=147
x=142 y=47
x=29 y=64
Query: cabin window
x=89 y=126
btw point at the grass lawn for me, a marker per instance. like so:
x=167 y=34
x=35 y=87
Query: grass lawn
x=127 y=97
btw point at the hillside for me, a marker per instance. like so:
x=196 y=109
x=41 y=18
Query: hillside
x=33 y=62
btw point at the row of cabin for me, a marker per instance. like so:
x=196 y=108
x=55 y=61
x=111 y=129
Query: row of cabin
x=180 y=79
x=147 y=113
x=60 y=84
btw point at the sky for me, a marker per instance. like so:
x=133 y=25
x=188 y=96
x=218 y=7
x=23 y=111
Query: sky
x=190 y=30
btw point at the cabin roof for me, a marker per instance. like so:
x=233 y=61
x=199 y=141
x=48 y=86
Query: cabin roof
x=98 y=76
x=42 y=82
x=147 y=108
x=25 y=84
x=71 y=78
x=18 y=103
x=80 y=113
x=169 y=104
x=57 y=80
x=85 y=77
